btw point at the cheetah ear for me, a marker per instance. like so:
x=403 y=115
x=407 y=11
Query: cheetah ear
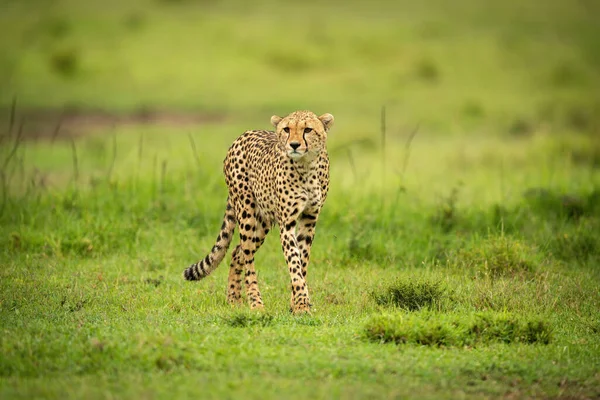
x=327 y=120
x=275 y=120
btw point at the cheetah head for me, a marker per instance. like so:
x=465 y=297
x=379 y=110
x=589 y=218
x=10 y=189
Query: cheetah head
x=302 y=135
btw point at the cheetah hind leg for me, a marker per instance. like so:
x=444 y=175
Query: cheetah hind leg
x=234 y=284
x=253 y=231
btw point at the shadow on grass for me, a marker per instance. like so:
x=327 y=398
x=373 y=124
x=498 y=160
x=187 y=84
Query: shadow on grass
x=246 y=319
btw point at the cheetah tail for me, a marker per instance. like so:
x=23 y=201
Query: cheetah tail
x=207 y=265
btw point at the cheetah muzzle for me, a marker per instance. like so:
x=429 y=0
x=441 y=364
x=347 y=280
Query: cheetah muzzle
x=281 y=177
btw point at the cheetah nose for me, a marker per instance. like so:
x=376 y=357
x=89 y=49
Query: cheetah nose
x=294 y=145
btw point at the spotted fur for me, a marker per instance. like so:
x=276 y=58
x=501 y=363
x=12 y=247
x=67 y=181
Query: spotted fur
x=281 y=177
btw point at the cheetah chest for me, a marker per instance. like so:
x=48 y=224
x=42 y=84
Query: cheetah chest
x=298 y=190
x=290 y=192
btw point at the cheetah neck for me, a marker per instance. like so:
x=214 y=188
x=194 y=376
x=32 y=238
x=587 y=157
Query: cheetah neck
x=309 y=163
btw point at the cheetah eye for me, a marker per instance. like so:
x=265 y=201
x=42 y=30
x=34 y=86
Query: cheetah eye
x=307 y=130
x=286 y=129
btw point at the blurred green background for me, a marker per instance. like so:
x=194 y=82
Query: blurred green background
x=461 y=66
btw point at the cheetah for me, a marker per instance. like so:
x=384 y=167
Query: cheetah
x=281 y=177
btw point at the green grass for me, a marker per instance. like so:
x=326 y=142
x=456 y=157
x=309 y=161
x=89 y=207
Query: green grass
x=93 y=302
x=461 y=262
x=410 y=295
x=439 y=329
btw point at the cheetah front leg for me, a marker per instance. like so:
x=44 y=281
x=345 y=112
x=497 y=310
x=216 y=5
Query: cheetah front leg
x=289 y=244
x=305 y=236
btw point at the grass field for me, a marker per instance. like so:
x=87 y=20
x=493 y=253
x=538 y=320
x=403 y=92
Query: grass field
x=458 y=253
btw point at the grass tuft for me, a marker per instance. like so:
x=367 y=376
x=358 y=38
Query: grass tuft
x=58 y=28
x=473 y=109
x=434 y=329
x=520 y=127
x=427 y=71
x=65 y=62
x=566 y=75
x=411 y=296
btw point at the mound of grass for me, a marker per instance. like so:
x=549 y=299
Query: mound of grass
x=427 y=70
x=411 y=296
x=65 y=62
x=497 y=256
x=434 y=329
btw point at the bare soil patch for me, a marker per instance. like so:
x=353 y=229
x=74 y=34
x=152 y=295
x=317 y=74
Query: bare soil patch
x=53 y=124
